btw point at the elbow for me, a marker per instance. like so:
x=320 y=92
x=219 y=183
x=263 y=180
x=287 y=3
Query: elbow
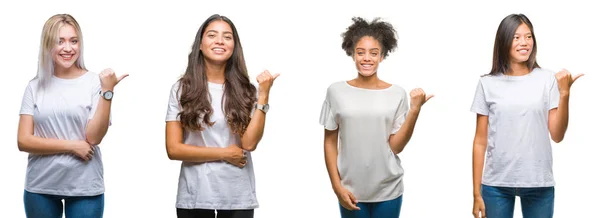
x=92 y=139
x=557 y=139
x=557 y=136
x=172 y=152
x=398 y=151
x=21 y=144
x=249 y=146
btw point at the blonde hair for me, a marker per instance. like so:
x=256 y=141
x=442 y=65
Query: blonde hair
x=48 y=42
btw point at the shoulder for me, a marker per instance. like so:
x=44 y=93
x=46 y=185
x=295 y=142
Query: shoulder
x=397 y=89
x=546 y=73
x=92 y=77
x=543 y=71
x=336 y=87
x=33 y=83
x=175 y=87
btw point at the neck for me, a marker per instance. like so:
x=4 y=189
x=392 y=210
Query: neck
x=215 y=73
x=518 y=69
x=369 y=82
x=68 y=73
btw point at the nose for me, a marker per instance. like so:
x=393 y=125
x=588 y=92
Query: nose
x=67 y=47
x=219 y=40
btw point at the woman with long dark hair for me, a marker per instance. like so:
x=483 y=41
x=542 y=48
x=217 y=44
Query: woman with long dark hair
x=520 y=107
x=215 y=119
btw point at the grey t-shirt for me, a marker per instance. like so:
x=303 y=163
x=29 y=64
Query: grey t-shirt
x=61 y=111
x=366 y=118
x=218 y=184
x=519 y=152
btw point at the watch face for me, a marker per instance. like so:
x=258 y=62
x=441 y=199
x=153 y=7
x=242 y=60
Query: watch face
x=266 y=107
x=108 y=95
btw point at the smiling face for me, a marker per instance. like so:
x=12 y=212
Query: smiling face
x=217 y=42
x=367 y=55
x=66 y=50
x=522 y=45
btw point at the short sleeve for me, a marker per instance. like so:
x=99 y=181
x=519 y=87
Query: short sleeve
x=554 y=94
x=27 y=104
x=96 y=95
x=327 y=118
x=401 y=112
x=173 y=108
x=479 y=104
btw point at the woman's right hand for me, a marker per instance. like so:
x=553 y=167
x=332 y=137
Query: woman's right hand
x=346 y=198
x=235 y=155
x=478 y=206
x=83 y=150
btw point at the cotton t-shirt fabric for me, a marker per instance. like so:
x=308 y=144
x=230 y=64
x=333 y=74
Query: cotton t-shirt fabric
x=366 y=118
x=519 y=152
x=218 y=184
x=62 y=111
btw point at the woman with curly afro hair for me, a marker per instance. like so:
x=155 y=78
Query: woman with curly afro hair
x=367 y=123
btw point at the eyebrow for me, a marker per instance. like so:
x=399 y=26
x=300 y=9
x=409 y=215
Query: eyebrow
x=74 y=37
x=366 y=49
x=214 y=31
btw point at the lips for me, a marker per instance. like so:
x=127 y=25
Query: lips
x=366 y=66
x=523 y=51
x=66 y=57
x=218 y=50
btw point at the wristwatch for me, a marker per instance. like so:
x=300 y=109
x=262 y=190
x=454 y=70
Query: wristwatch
x=108 y=95
x=262 y=107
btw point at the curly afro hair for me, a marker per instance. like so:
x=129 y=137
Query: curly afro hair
x=382 y=31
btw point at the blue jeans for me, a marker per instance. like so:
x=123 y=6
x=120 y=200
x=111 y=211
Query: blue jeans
x=51 y=206
x=535 y=202
x=384 y=209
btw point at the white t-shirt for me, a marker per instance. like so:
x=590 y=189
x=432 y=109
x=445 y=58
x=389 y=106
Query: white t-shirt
x=212 y=185
x=366 y=118
x=61 y=111
x=519 y=152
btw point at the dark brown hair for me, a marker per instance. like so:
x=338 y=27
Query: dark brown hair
x=382 y=31
x=239 y=94
x=503 y=43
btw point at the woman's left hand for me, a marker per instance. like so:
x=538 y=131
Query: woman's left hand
x=565 y=80
x=265 y=81
x=108 y=79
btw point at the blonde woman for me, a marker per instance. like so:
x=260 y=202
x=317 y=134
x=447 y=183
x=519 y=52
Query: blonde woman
x=64 y=115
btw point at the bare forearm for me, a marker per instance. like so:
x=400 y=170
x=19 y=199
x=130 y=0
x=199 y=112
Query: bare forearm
x=331 y=154
x=98 y=126
x=255 y=129
x=478 y=160
x=191 y=153
x=559 y=127
x=43 y=146
x=399 y=140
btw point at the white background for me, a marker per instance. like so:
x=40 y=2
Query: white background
x=444 y=46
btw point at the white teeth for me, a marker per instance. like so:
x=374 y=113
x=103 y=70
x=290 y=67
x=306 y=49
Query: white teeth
x=219 y=49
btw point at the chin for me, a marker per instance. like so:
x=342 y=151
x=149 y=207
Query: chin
x=366 y=74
